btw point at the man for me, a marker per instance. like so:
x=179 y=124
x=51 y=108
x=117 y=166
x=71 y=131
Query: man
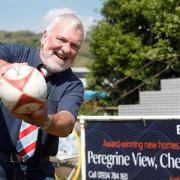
x=60 y=44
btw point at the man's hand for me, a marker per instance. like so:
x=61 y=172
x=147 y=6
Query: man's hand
x=38 y=117
x=61 y=125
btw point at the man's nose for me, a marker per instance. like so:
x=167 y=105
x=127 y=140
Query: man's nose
x=66 y=48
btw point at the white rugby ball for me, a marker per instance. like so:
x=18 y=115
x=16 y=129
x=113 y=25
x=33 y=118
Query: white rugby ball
x=23 y=89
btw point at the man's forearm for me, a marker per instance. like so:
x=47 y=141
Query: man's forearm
x=61 y=124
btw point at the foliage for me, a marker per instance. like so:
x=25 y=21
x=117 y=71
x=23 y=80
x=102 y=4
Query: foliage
x=136 y=44
x=24 y=37
x=90 y=108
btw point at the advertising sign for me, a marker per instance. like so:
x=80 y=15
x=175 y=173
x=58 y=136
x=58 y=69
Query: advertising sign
x=132 y=150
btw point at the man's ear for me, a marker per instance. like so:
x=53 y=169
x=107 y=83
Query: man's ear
x=44 y=35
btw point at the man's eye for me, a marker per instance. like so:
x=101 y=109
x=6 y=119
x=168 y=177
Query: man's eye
x=61 y=40
x=75 y=46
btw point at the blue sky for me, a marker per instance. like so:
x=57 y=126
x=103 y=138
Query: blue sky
x=34 y=15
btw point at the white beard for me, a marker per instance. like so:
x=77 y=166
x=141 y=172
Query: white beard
x=55 y=66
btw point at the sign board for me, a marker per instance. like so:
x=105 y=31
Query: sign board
x=131 y=148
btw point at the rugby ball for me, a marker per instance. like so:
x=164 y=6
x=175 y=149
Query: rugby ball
x=23 y=89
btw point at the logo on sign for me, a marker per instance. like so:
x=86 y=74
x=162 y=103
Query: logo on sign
x=178 y=129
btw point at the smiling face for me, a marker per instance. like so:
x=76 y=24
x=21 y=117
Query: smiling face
x=60 y=45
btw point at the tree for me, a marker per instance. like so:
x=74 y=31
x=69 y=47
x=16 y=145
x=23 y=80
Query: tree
x=136 y=44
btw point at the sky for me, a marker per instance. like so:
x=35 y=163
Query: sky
x=34 y=15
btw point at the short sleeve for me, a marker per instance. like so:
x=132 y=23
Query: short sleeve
x=72 y=98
